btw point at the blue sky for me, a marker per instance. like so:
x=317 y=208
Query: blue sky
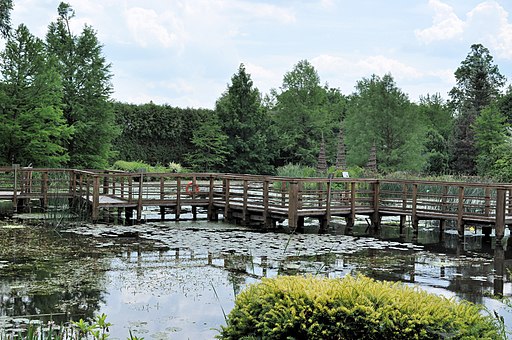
x=184 y=53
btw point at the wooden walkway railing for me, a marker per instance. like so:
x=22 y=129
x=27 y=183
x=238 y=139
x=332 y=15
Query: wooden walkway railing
x=262 y=200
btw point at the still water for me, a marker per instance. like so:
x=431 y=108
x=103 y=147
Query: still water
x=176 y=280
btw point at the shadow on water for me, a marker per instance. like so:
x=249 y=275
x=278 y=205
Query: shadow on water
x=176 y=279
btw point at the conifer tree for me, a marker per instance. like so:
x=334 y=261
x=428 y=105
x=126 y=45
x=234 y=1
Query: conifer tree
x=32 y=127
x=479 y=83
x=87 y=88
x=247 y=126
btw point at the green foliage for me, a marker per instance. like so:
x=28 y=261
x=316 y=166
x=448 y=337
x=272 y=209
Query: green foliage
x=296 y=171
x=246 y=125
x=478 y=84
x=142 y=166
x=210 y=145
x=490 y=132
x=380 y=114
x=303 y=113
x=32 y=127
x=351 y=308
x=87 y=88
x=157 y=133
x=5 y=17
x=439 y=124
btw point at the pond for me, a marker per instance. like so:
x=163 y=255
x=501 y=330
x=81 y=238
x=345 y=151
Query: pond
x=176 y=280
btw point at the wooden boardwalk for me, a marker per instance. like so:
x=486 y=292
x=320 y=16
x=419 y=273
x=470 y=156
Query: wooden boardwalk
x=262 y=200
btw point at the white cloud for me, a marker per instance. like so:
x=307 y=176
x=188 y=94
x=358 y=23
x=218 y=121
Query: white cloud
x=490 y=21
x=367 y=66
x=487 y=23
x=446 y=24
x=149 y=27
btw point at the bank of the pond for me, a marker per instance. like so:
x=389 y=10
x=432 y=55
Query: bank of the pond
x=176 y=280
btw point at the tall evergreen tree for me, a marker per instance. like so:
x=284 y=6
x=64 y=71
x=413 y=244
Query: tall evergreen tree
x=380 y=114
x=5 y=17
x=32 y=127
x=478 y=84
x=87 y=89
x=247 y=125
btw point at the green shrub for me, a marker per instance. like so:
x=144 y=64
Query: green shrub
x=296 y=171
x=132 y=166
x=293 y=307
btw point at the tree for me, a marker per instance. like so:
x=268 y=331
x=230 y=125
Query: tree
x=5 y=17
x=32 y=127
x=211 y=145
x=478 y=84
x=303 y=111
x=87 y=89
x=491 y=131
x=379 y=113
x=247 y=126
x=439 y=125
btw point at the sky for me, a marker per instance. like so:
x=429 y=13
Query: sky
x=184 y=53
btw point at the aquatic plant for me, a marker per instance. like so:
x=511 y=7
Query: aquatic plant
x=75 y=330
x=352 y=308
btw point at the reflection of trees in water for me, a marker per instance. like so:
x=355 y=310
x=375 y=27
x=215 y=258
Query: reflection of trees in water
x=47 y=273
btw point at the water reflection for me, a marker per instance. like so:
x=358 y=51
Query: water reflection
x=176 y=280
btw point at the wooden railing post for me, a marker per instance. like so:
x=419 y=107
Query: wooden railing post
x=403 y=218
x=265 y=203
x=178 y=198
x=227 y=188
x=96 y=198
x=460 y=212
x=139 y=200
x=414 y=216
x=293 y=205
x=501 y=206
x=328 y=203
x=376 y=204
x=352 y=218
x=211 y=208
x=16 y=168
x=44 y=189
x=245 y=201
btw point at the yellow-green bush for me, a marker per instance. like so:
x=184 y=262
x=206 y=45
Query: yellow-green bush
x=293 y=307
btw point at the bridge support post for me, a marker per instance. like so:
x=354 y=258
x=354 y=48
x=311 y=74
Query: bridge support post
x=375 y=217
x=293 y=205
x=95 y=206
x=460 y=213
x=501 y=195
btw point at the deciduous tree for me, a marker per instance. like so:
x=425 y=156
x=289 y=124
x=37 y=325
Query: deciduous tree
x=380 y=113
x=303 y=112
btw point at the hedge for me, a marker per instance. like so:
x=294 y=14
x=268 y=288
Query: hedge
x=294 y=307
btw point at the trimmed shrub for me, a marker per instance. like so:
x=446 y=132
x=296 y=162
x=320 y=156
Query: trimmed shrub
x=294 y=307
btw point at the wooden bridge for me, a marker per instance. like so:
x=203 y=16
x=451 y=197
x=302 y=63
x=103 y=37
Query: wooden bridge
x=261 y=200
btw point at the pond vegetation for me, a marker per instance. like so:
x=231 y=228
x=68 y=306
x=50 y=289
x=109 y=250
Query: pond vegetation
x=177 y=279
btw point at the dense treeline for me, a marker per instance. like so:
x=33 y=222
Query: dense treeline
x=57 y=111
